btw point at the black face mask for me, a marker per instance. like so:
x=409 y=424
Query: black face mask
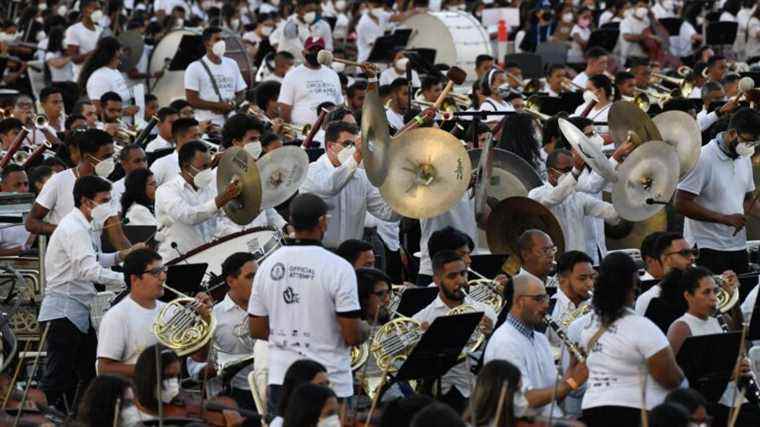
x=311 y=59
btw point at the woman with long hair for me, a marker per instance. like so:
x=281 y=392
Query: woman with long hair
x=98 y=405
x=671 y=304
x=625 y=346
x=146 y=382
x=100 y=74
x=302 y=371
x=519 y=134
x=139 y=197
x=484 y=401
x=311 y=405
x=598 y=87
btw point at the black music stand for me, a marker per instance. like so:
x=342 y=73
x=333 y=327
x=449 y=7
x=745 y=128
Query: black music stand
x=185 y=278
x=672 y=25
x=384 y=47
x=721 y=34
x=604 y=38
x=415 y=299
x=190 y=50
x=439 y=349
x=570 y=101
x=708 y=362
x=488 y=265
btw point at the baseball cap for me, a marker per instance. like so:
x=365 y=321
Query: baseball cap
x=305 y=211
x=314 y=42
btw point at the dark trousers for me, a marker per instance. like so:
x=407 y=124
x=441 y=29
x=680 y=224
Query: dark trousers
x=70 y=364
x=749 y=415
x=619 y=416
x=720 y=261
x=274 y=394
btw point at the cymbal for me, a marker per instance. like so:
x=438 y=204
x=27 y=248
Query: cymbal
x=237 y=163
x=282 y=171
x=590 y=152
x=513 y=216
x=681 y=131
x=429 y=172
x=625 y=116
x=510 y=174
x=375 y=139
x=629 y=235
x=133 y=45
x=650 y=173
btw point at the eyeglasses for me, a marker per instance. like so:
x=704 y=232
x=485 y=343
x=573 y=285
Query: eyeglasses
x=155 y=272
x=539 y=298
x=685 y=253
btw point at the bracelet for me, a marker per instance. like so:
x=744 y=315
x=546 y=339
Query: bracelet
x=571 y=382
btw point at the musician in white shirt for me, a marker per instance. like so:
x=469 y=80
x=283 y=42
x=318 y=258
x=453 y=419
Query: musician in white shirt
x=127 y=328
x=56 y=198
x=213 y=83
x=555 y=76
x=518 y=342
x=576 y=279
x=713 y=92
x=73 y=263
x=138 y=201
x=167 y=168
x=290 y=285
x=51 y=100
x=673 y=253
x=495 y=88
x=80 y=39
x=131 y=157
x=291 y=35
x=166 y=117
x=374 y=22
x=101 y=75
x=450 y=275
x=14 y=239
x=337 y=178
x=700 y=292
x=187 y=205
x=567 y=204
x=715 y=197
x=398 y=70
x=596 y=63
x=399 y=103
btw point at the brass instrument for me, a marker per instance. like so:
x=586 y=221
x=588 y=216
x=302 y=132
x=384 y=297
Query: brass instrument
x=571 y=346
x=287 y=128
x=125 y=133
x=726 y=301
x=486 y=291
x=20 y=157
x=394 y=341
x=477 y=338
x=570 y=86
x=40 y=121
x=684 y=71
x=533 y=106
x=645 y=98
x=180 y=327
x=359 y=356
x=449 y=104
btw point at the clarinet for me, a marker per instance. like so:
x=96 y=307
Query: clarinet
x=577 y=352
x=748 y=382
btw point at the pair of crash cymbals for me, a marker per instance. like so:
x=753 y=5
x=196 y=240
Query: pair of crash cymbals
x=265 y=183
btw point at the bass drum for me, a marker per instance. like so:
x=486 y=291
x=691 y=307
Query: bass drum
x=457 y=37
x=171 y=85
x=260 y=241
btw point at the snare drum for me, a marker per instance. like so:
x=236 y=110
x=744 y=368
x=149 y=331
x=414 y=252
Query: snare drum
x=457 y=37
x=260 y=241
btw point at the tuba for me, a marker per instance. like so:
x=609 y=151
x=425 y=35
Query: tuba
x=180 y=326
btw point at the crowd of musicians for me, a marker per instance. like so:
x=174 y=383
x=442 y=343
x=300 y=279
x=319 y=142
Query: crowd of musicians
x=582 y=337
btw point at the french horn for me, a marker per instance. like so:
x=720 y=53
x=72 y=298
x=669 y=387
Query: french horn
x=477 y=338
x=394 y=341
x=726 y=301
x=180 y=326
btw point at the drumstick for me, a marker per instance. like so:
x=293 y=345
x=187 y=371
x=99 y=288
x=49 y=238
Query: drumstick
x=455 y=75
x=500 y=406
x=734 y=412
x=326 y=58
x=377 y=394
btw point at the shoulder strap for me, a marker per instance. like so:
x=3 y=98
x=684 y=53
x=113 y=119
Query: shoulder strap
x=594 y=339
x=213 y=80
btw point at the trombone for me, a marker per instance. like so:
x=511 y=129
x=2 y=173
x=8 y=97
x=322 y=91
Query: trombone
x=287 y=128
x=684 y=85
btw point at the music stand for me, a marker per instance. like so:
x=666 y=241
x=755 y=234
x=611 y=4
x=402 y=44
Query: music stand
x=439 y=348
x=721 y=33
x=488 y=265
x=135 y=233
x=603 y=38
x=570 y=101
x=673 y=25
x=708 y=362
x=415 y=299
x=384 y=47
x=185 y=278
x=190 y=50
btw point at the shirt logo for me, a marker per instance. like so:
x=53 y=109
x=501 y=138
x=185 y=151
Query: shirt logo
x=278 y=271
x=290 y=296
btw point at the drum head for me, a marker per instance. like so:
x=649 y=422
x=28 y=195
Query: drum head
x=171 y=85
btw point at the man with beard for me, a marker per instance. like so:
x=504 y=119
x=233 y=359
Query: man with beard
x=399 y=105
x=450 y=275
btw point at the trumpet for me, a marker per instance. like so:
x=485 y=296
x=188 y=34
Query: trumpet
x=684 y=85
x=20 y=157
x=569 y=85
x=40 y=121
x=532 y=106
x=125 y=133
x=288 y=128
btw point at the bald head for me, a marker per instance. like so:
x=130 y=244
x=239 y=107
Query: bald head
x=529 y=238
x=527 y=284
x=530 y=302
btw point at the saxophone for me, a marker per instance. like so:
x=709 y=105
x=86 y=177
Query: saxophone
x=574 y=349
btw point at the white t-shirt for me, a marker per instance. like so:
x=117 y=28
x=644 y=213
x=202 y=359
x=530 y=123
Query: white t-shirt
x=300 y=289
x=618 y=360
x=305 y=89
x=714 y=174
x=390 y=74
x=63 y=74
x=367 y=31
x=126 y=330
x=642 y=302
x=631 y=25
x=106 y=79
x=575 y=54
x=228 y=80
x=57 y=195
x=86 y=39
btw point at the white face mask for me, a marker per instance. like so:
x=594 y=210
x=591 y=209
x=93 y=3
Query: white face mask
x=219 y=48
x=40 y=35
x=567 y=18
x=641 y=12
x=170 y=390
x=667 y=5
x=266 y=30
x=340 y=5
x=331 y=421
x=100 y=214
x=235 y=23
x=377 y=11
x=745 y=150
x=345 y=154
x=401 y=64
x=309 y=17
x=503 y=89
x=96 y=16
x=129 y=416
x=62 y=10
x=253 y=148
x=42 y=7
x=203 y=178
x=105 y=167
x=520 y=404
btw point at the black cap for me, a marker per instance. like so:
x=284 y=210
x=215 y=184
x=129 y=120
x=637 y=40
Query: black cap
x=305 y=211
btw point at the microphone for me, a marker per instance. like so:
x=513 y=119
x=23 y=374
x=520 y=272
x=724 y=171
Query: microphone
x=176 y=249
x=218 y=407
x=651 y=201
